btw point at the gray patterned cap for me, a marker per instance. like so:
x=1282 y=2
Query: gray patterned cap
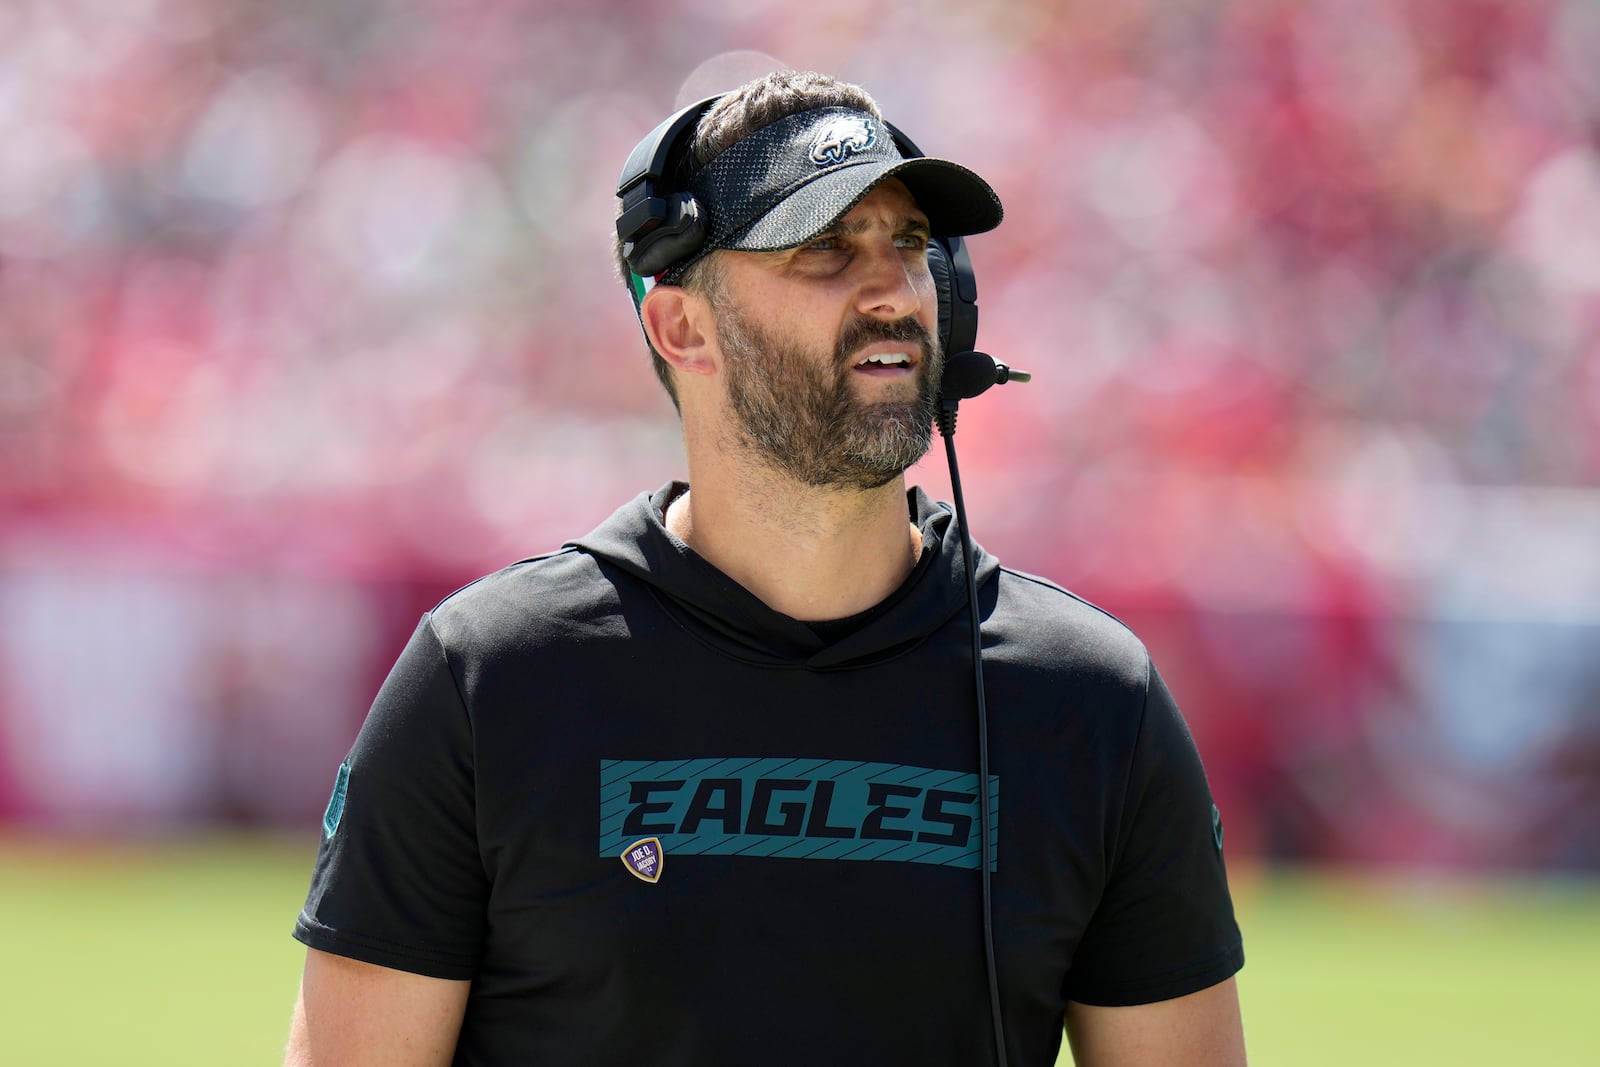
x=787 y=182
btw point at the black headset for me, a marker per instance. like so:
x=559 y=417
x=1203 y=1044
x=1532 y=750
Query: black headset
x=660 y=228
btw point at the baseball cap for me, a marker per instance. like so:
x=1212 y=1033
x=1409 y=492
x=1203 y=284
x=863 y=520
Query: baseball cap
x=788 y=182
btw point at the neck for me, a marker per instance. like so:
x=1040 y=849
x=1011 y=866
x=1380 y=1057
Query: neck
x=812 y=554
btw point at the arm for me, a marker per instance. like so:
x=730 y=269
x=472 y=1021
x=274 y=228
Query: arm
x=1199 y=1030
x=395 y=915
x=354 y=1014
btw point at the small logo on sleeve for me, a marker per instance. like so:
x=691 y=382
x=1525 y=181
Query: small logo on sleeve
x=335 y=810
x=644 y=860
x=1216 y=826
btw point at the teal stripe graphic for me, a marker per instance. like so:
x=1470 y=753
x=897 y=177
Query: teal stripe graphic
x=796 y=809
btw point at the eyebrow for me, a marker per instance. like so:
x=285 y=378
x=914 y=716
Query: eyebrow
x=904 y=224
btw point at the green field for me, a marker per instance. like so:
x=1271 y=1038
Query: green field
x=178 y=953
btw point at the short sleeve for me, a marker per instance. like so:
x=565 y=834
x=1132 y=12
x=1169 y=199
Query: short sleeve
x=399 y=880
x=1164 y=926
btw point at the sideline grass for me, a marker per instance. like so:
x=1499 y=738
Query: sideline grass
x=178 y=953
x=1413 y=971
x=142 y=953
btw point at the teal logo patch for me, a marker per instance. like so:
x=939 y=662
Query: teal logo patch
x=809 y=809
x=330 y=818
x=1216 y=826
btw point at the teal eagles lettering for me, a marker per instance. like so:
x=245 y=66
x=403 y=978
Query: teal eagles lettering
x=798 y=809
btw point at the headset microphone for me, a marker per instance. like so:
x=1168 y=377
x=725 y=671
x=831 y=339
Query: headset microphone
x=966 y=374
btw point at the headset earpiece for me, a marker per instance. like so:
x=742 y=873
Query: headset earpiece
x=679 y=234
x=659 y=229
x=958 y=306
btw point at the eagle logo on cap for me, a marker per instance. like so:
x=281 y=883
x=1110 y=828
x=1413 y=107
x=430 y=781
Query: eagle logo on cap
x=841 y=138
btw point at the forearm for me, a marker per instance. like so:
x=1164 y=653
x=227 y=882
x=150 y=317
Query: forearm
x=1202 y=1029
x=354 y=1014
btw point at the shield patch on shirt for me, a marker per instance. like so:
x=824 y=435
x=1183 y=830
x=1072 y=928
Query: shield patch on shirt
x=644 y=859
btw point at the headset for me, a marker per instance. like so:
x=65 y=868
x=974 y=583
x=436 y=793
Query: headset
x=661 y=228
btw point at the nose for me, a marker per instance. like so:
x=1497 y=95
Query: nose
x=891 y=281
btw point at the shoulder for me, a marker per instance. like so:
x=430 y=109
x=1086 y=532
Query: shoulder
x=1044 y=623
x=533 y=600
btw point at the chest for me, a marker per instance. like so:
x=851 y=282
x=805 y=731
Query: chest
x=771 y=841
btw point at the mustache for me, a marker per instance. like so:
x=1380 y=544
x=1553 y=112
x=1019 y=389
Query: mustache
x=862 y=331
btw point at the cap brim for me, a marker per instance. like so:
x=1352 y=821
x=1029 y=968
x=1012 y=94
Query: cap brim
x=956 y=201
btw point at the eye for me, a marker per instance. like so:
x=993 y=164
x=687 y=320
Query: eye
x=913 y=240
x=828 y=242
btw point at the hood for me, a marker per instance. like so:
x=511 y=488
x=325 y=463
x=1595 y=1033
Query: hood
x=727 y=616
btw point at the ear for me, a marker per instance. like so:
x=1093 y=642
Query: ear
x=681 y=328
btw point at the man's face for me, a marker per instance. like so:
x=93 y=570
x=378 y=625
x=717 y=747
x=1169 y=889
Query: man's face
x=836 y=384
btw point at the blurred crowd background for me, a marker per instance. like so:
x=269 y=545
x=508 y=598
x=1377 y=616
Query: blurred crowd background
x=307 y=317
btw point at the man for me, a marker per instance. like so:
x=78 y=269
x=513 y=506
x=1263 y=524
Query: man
x=701 y=787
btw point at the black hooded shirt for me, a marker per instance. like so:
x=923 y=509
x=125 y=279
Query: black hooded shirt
x=654 y=821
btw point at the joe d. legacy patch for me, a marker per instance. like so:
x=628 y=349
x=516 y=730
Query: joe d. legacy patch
x=644 y=860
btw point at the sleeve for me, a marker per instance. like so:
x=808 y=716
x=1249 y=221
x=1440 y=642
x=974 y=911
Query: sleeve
x=399 y=880
x=1164 y=926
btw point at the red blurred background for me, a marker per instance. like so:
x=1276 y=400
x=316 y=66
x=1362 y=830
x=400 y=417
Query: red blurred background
x=307 y=318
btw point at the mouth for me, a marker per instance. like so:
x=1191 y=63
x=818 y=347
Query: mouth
x=882 y=361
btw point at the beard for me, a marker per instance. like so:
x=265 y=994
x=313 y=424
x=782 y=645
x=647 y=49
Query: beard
x=799 y=415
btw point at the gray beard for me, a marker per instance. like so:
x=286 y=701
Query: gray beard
x=799 y=416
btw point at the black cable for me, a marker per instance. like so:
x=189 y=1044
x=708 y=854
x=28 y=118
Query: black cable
x=947 y=428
